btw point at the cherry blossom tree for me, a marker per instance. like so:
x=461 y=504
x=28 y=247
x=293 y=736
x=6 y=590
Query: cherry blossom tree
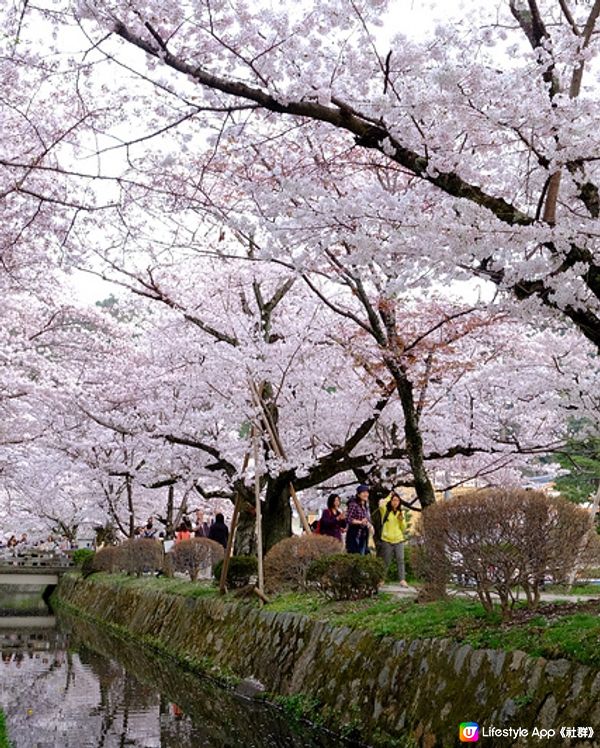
x=193 y=383
x=357 y=172
x=495 y=150
x=184 y=381
x=146 y=408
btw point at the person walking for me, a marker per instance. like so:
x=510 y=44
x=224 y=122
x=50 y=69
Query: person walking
x=219 y=531
x=393 y=534
x=333 y=520
x=149 y=531
x=358 y=519
x=201 y=528
x=184 y=531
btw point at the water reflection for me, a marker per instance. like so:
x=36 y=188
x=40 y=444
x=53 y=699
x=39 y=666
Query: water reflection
x=24 y=600
x=74 y=686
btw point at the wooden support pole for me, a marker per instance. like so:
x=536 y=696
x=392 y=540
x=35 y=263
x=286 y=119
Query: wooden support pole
x=259 y=543
x=229 y=549
x=299 y=509
x=261 y=595
x=266 y=418
x=236 y=510
x=231 y=537
x=278 y=449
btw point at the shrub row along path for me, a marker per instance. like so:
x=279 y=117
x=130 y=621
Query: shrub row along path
x=550 y=597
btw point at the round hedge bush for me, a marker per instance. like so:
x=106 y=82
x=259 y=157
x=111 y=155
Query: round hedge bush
x=240 y=572
x=346 y=576
x=287 y=563
x=191 y=556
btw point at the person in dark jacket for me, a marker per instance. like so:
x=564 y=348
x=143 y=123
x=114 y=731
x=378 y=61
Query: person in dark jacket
x=219 y=531
x=333 y=520
x=359 y=522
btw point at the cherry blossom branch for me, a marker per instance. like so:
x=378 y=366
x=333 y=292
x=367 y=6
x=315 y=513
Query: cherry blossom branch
x=366 y=134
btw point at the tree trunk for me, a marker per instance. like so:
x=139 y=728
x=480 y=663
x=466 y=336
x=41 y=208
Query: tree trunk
x=130 y=508
x=169 y=528
x=245 y=535
x=277 y=512
x=412 y=435
x=377 y=492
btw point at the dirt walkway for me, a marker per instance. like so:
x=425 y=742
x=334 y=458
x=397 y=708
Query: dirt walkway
x=550 y=597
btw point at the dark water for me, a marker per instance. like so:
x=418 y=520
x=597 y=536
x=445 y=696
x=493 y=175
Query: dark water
x=66 y=684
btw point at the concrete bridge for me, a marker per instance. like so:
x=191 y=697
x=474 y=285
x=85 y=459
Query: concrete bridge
x=33 y=568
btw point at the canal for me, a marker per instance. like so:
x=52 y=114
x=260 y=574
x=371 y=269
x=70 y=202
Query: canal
x=65 y=683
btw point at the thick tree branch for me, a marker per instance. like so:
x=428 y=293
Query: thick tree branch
x=343 y=117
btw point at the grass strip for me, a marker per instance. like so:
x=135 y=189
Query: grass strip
x=574 y=635
x=4 y=741
x=170 y=585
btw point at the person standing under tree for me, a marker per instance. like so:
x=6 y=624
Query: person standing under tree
x=219 y=532
x=184 y=531
x=332 y=520
x=149 y=531
x=201 y=527
x=358 y=519
x=393 y=531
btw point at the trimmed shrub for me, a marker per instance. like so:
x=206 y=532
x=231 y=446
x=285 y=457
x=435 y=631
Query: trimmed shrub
x=346 y=576
x=501 y=539
x=240 y=572
x=190 y=556
x=80 y=555
x=286 y=564
x=107 y=559
x=141 y=555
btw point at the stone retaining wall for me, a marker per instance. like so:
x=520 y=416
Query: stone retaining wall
x=393 y=692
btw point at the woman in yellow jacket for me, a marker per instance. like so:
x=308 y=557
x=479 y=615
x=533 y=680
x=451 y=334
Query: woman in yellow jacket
x=393 y=529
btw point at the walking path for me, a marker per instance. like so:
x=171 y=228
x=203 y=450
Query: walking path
x=549 y=597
